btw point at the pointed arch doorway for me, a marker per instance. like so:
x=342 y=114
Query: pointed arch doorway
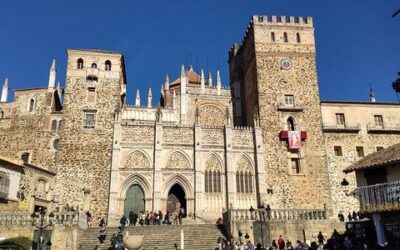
x=176 y=199
x=134 y=200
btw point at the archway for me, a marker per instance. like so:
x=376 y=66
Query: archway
x=176 y=199
x=134 y=200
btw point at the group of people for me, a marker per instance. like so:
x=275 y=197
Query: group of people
x=152 y=218
x=352 y=216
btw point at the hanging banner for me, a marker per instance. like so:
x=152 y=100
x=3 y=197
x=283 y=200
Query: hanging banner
x=294 y=138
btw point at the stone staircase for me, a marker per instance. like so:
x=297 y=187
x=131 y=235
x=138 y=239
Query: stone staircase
x=164 y=237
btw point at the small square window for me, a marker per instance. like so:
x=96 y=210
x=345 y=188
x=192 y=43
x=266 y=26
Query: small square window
x=289 y=100
x=379 y=148
x=360 y=151
x=295 y=165
x=25 y=157
x=338 y=150
x=378 y=120
x=89 y=120
x=91 y=97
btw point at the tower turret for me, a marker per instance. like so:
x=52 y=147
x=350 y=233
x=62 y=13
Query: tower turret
x=372 y=95
x=137 y=101
x=166 y=83
x=202 y=82
x=52 y=76
x=4 y=92
x=183 y=94
x=219 y=83
x=149 y=98
x=209 y=80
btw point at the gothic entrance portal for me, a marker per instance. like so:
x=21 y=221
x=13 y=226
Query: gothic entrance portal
x=134 y=200
x=176 y=199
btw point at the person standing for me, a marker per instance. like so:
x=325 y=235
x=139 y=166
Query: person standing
x=180 y=215
x=321 y=238
x=131 y=218
x=102 y=234
x=281 y=242
x=123 y=222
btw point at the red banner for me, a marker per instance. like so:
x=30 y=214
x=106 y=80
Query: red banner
x=294 y=139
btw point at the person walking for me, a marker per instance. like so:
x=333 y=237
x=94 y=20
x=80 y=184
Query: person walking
x=102 y=234
x=123 y=222
x=321 y=238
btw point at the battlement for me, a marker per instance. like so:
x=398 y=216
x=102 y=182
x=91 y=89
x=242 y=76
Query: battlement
x=283 y=20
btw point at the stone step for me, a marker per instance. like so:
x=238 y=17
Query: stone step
x=196 y=236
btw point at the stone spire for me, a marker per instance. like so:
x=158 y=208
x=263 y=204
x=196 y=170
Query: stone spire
x=59 y=90
x=202 y=82
x=137 y=102
x=52 y=76
x=4 y=93
x=371 y=94
x=149 y=98
x=209 y=80
x=174 y=99
x=219 y=84
x=162 y=90
x=183 y=94
x=166 y=83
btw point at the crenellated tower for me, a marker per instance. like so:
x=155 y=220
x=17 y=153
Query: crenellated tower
x=274 y=82
x=94 y=94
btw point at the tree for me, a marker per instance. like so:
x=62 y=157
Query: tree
x=396 y=87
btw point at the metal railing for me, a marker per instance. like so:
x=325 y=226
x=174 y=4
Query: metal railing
x=380 y=197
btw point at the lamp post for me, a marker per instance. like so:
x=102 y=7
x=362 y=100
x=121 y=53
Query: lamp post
x=41 y=225
x=261 y=218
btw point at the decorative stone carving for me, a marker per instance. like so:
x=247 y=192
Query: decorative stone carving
x=211 y=116
x=138 y=134
x=177 y=160
x=213 y=163
x=244 y=165
x=242 y=138
x=137 y=160
x=212 y=136
x=178 y=135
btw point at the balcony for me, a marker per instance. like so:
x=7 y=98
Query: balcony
x=384 y=129
x=290 y=108
x=380 y=197
x=341 y=128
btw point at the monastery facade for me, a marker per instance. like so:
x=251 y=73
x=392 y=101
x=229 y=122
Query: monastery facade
x=265 y=139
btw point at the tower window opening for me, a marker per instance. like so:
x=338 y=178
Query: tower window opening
x=298 y=39
x=31 y=105
x=94 y=66
x=295 y=165
x=285 y=37
x=79 y=63
x=108 y=65
x=290 y=124
x=25 y=157
x=54 y=125
x=272 y=36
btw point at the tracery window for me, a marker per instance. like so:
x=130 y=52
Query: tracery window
x=212 y=175
x=244 y=176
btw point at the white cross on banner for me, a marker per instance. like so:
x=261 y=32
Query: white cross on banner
x=294 y=139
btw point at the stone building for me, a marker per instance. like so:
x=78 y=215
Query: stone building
x=265 y=139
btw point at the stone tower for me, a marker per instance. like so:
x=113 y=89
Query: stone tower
x=94 y=93
x=274 y=85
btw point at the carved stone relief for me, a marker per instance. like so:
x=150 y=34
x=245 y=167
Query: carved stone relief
x=178 y=135
x=177 y=160
x=138 y=134
x=212 y=136
x=137 y=160
x=211 y=116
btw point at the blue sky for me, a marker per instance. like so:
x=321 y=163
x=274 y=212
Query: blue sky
x=358 y=42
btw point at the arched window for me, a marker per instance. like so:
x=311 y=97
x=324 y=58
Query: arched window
x=94 y=66
x=54 y=125
x=79 y=63
x=212 y=176
x=273 y=36
x=291 y=125
x=31 y=105
x=244 y=177
x=108 y=65
x=298 y=39
x=56 y=144
x=285 y=37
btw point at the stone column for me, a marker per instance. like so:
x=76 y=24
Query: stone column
x=229 y=168
x=157 y=167
x=198 y=178
x=115 y=161
x=259 y=166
